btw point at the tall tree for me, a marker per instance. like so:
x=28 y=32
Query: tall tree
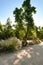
x=8 y=29
x=25 y=14
x=28 y=16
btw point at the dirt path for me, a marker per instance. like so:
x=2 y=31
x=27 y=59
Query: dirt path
x=32 y=55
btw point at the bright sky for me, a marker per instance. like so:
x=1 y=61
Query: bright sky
x=7 y=7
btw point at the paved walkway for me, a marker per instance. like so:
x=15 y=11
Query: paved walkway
x=32 y=55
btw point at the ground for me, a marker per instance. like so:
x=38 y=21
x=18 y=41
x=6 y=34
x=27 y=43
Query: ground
x=32 y=55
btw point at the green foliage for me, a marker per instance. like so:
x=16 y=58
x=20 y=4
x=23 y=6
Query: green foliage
x=1 y=29
x=24 y=15
x=18 y=15
x=28 y=10
x=19 y=28
x=39 y=31
x=21 y=34
x=6 y=30
x=31 y=34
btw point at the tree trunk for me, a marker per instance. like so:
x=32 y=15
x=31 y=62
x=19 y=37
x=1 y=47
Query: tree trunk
x=24 y=42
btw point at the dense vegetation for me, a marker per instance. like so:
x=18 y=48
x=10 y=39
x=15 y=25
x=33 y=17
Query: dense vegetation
x=25 y=28
x=8 y=30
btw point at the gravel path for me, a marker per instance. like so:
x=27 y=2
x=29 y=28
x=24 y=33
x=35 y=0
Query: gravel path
x=32 y=55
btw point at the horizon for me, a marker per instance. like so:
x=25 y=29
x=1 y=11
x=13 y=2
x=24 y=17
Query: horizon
x=8 y=6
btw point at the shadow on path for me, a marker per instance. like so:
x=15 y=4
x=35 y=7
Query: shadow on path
x=32 y=55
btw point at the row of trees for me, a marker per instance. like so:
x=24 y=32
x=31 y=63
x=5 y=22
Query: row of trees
x=25 y=27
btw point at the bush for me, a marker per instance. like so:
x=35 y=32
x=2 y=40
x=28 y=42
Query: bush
x=9 y=45
x=36 y=41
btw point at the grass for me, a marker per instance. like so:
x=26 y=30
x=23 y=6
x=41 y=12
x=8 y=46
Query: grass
x=9 y=45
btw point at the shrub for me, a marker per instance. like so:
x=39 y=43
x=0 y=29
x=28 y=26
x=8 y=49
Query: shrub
x=36 y=41
x=9 y=45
